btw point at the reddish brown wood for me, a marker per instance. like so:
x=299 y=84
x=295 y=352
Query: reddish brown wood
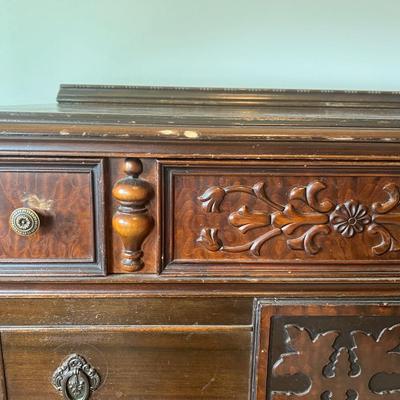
x=65 y=195
x=132 y=221
x=276 y=201
x=275 y=218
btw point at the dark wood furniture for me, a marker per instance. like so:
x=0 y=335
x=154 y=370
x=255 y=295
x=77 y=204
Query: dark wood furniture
x=161 y=243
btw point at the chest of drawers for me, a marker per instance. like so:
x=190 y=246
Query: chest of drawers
x=160 y=243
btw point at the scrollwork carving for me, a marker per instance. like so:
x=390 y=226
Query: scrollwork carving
x=302 y=226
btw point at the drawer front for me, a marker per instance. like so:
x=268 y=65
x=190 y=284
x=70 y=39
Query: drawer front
x=66 y=198
x=282 y=219
x=128 y=363
x=331 y=350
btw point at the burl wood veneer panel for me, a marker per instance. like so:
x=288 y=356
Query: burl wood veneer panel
x=282 y=218
x=133 y=363
x=67 y=196
x=336 y=350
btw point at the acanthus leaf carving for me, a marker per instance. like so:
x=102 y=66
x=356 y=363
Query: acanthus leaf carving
x=246 y=220
x=209 y=239
x=387 y=243
x=394 y=197
x=300 y=225
x=309 y=195
x=327 y=363
x=307 y=241
x=212 y=198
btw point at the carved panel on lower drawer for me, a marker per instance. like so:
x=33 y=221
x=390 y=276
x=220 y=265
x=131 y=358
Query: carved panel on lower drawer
x=332 y=351
x=283 y=219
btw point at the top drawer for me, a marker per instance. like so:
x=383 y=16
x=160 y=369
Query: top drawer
x=282 y=219
x=51 y=217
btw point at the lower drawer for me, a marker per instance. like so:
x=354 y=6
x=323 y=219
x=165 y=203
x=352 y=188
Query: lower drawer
x=329 y=349
x=173 y=362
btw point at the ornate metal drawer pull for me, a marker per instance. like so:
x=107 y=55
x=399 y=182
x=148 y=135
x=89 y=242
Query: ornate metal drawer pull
x=75 y=378
x=24 y=221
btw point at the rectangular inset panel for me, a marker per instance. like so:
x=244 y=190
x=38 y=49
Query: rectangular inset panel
x=66 y=196
x=286 y=219
x=157 y=363
x=119 y=311
x=335 y=350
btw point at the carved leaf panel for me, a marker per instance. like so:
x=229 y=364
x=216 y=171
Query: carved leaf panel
x=322 y=351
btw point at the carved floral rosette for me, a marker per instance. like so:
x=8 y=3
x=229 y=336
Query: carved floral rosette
x=300 y=226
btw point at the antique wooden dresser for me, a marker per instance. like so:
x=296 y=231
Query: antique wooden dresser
x=162 y=243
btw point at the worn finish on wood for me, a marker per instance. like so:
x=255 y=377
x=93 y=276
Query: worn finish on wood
x=189 y=364
x=226 y=200
x=218 y=96
x=132 y=221
x=109 y=310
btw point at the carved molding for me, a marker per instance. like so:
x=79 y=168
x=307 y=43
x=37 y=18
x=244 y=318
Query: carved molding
x=75 y=378
x=352 y=362
x=132 y=221
x=302 y=219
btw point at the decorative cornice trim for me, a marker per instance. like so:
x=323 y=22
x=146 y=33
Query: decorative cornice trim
x=152 y=95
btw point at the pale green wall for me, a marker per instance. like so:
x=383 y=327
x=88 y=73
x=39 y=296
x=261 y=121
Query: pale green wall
x=335 y=44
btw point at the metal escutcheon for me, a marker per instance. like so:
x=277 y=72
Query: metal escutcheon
x=76 y=379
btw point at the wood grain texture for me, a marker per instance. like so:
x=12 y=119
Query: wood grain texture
x=324 y=349
x=281 y=217
x=66 y=230
x=65 y=195
x=151 y=246
x=132 y=221
x=147 y=365
x=63 y=311
x=319 y=170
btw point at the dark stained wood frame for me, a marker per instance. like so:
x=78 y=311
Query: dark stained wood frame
x=169 y=95
x=265 y=308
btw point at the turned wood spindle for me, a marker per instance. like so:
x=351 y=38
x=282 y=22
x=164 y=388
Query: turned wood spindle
x=132 y=221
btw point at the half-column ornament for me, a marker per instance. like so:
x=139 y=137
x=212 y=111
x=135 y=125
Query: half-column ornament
x=132 y=221
x=75 y=379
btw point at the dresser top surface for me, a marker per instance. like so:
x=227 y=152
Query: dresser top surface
x=217 y=114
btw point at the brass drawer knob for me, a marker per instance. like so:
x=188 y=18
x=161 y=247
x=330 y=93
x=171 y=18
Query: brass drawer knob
x=24 y=221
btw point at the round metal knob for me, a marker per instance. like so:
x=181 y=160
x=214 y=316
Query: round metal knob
x=24 y=221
